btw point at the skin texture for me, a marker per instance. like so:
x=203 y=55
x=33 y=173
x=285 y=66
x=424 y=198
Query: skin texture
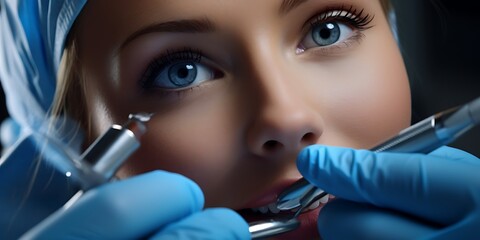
x=238 y=134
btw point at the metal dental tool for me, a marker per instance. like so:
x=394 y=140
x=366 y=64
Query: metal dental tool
x=99 y=163
x=272 y=227
x=422 y=137
x=110 y=150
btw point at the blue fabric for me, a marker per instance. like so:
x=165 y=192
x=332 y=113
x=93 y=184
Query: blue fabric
x=33 y=34
x=33 y=184
x=8 y=138
x=395 y=195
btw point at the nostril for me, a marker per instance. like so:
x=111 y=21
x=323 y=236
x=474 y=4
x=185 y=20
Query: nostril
x=272 y=145
x=309 y=138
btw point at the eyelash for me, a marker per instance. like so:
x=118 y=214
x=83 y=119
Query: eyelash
x=350 y=15
x=358 y=20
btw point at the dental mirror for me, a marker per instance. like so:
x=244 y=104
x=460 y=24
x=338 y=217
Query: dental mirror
x=290 y=198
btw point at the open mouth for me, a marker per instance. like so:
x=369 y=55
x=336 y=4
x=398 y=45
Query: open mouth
x=308 y=218
x=263 y=208
x=272 y=207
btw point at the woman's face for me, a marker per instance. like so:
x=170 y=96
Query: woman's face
x=238 y=88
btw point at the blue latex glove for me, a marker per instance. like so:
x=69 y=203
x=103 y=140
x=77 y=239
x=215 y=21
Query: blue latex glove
x=394 y=195
x=156 y=205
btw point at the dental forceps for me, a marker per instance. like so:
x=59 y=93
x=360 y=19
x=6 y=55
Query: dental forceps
x=423 y=137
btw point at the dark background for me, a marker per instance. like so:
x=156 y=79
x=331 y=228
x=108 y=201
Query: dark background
x=439 y=43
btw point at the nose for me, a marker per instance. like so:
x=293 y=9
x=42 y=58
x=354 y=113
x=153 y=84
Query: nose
x=281 y=128
x=283 y=120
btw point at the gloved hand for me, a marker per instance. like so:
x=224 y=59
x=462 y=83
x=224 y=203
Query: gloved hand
x=155 y=205
x=395 y=195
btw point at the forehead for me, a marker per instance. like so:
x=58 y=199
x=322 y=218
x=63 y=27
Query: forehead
x=125 y=9
x=120 y=17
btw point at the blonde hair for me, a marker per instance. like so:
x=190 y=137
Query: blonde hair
x=70 y=95
x=386 y=5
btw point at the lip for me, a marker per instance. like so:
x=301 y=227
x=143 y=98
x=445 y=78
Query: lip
x=269 y=196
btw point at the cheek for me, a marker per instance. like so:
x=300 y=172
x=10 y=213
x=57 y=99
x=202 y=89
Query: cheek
x=374 y=107
x=375 y=104
x=363 y=99
x=198 y=141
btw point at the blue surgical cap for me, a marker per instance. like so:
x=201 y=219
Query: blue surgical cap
x=32 y=38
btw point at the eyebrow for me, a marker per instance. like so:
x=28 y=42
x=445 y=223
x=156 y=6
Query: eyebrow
x=197 y=25
x=289 y=5
x=180 y=26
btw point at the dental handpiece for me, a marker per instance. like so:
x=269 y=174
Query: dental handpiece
x=422 y=137
x=111 y=150
x=99 y=163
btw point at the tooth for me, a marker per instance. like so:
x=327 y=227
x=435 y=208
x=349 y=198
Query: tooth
x=273 y=208
x=324 y=199
x=263 y=209
x=314 y=205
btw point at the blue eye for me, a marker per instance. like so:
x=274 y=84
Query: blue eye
x=334 y=30
x=177 y=71
x=182 y=74
x=326 y=34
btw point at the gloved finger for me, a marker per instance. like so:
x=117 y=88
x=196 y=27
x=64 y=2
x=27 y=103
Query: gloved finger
x=342 y=219
x=455 y=154
x=126 y=209
x=421 y=185
x=215 y=223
